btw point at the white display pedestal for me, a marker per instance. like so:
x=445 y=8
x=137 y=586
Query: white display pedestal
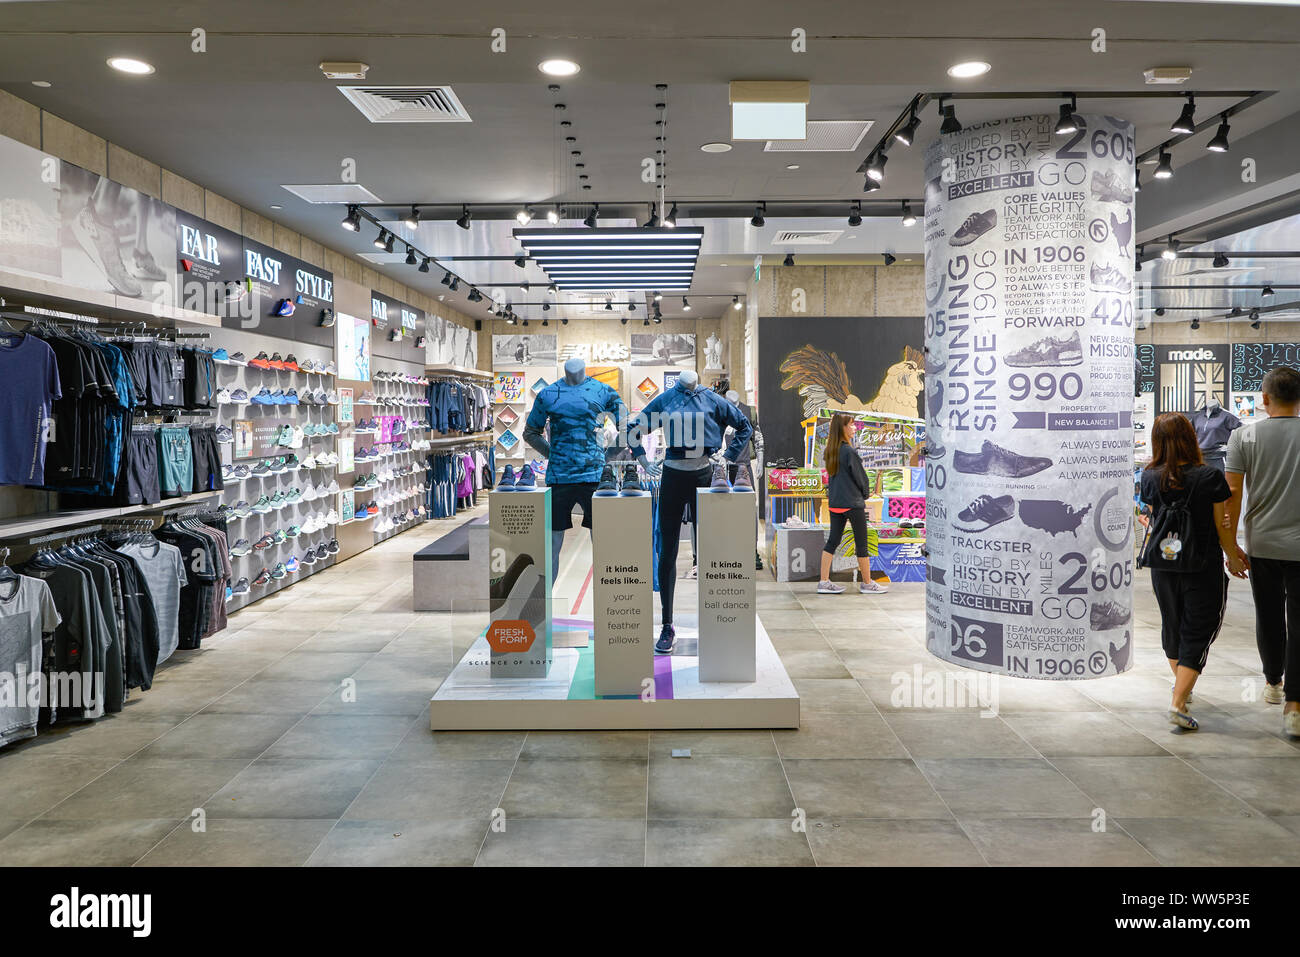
x=519 y=570
x=725 y=531
x=622 y=592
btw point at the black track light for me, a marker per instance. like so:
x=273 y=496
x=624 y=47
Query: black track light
x=658 y=313
x=424 y=264
x=653 y=221
x=1160 y=311
x=388 y=243
x=520 y=261
x=1069 y=120
x=1137 y=258
x=659 y=296
x=413 y=220
x=546 y=322
x=524 y=216
x=869 y=185
x=1170 y=251
x=351 y=221
x=876 y=167
x=855 y=214
x=464 y=220
x=381 y=239
x=686 y=306
x=890 y=259
x=735 y=303
x=525 y=322
x=455 y=283
x=789 y=260
x=552 y=287
x=1186 y=122
x=546 y=307
x=950 y=122
x=474 y=294
x=609 y=305
x=1165 y=168
x=510 y=320
x=1220 y=142
x=1254 y=318
x=553 y=215
x=758 y=220
x=658 y=320
x=446 y=278
x=1220 y=260
x=1196 y=323
x=623 y=320
x=907 y=133
x=1234 y=312
x=671 y=218
x=645 y=321
x=590 y=221
x=1266 y=291
x=909 y=218
x=410 y=256
x=631 y=306
x=564 y=322
x=1137 y=181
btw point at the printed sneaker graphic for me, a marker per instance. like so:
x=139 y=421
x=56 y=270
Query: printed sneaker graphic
x=995 y=460
x=101 y=245
x=1049 y=351
x=1107 y=188
x=985 y=512
x=1106 y=615
x=975 y=226
x=1052 y=516
x=1109 y=279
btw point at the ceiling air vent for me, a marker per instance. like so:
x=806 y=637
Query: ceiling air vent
x=824 y=136
x=407 y=104
x=806 y=237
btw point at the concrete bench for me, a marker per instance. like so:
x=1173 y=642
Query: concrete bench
x=451 y=574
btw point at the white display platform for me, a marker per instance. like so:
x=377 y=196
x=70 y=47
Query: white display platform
x=471 y=700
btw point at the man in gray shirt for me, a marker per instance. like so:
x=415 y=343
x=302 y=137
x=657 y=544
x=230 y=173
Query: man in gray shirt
x=1265 y=457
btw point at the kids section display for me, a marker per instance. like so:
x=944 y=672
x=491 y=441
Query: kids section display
x=1029 y=332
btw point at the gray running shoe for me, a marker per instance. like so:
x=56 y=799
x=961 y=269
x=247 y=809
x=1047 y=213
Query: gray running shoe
x=101 y=244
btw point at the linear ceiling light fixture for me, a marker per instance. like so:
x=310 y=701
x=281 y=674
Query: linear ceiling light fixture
x=650 y=257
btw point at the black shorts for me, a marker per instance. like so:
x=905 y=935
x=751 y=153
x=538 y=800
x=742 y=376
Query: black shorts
x=564 y=497
x=142 y=486
x=207 y=460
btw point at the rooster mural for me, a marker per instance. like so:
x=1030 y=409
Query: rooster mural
x=1122 y=231
x=823 y=383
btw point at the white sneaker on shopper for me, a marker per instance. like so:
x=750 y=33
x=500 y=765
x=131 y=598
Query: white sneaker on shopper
x=1291 y=723
x=872 y=587
x=1273 y=694
x=830 y=588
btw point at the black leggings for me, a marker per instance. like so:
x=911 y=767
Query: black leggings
x=857 y=519
x=1275 y=583
x=676 y=491
x=1191 y=612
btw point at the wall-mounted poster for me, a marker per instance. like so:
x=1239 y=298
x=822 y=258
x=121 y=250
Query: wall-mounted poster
x=243 y=430
x=523 y=350
x=353 y=346
x=449 y=344
x=347 y=505
x=852 y=364
x=508 y=387
x=347 y=454
x=1188 y=375
x=1251 y=361
x=663 y=349
x=345 y=405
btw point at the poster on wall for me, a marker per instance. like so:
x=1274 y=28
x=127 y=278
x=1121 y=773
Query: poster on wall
x=1251 y=361
x=243 y=432
x=1029 y=396
x=664 y=349
x=523 y=350
x=508 y=387
x=450 y=344
x=352 y=345
x=1188 y=376
x=209 y=267
x=853 y=364
x=287 y=297
x=345 y=405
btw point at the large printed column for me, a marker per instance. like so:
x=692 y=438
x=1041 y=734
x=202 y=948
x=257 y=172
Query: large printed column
x=1029 y=397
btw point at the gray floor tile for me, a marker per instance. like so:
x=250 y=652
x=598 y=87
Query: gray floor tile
x=822 y=735
x=741 y=744
x=1216 y=842
x=587 y=744
x=408 y=697
x=1004 y=787
x=358 y=736
x=140 y=788
x=863 y=788
x=728 y=842
x=258 y=696
x=1149 y=787
x=813 y=664
x=1270 y=785
x=278 y=842
x=835 y=695
x=410 y=843
x=850 y=843
x=48 y=843
x=300 y=788
x=112 y=737
x=212 y=735
x=1220 y=735
x=420 y=745
x=576 y=788
x=586 y=842
x=1054 y=842
x=718 y=786
x=447 y=790
x=315 y=665
x=1082 y=734
x=957 y=736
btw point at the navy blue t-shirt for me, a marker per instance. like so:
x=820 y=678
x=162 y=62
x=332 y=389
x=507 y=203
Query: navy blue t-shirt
x=29 y=384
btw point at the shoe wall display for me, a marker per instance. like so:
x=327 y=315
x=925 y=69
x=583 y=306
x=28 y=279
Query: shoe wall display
x=1031 y=572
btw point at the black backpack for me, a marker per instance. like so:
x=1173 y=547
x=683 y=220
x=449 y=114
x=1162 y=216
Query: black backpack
x=1170 y=543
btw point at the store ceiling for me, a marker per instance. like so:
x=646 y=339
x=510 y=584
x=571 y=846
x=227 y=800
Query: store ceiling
x=254 y=112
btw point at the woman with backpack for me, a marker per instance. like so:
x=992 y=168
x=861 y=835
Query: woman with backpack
x=846 y=493
x=1185 y=546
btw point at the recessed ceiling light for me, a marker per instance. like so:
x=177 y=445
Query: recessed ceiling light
x=558 y=67
x=126 y=64
x=276 y=206
x=971 y=68
x=716 y=147
x=793 y=166
x=41 y=83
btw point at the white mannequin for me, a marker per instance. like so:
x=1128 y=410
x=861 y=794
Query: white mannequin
x=712 y=354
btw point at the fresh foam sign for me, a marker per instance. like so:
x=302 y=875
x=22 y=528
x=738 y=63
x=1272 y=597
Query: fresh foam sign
x=76 y=910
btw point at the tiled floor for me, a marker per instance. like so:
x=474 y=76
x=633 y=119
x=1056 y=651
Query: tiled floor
x=290 y=764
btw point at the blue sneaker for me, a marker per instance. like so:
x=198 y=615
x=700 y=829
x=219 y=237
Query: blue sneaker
x=607 y=486
x=238 y=397
x=506 y=483
x=221 y=356
x=526 y=480
x=264 y=397
x=291 y=397
x=632 y=481
x=284 y=308
x=667 y=639
x=277 y=397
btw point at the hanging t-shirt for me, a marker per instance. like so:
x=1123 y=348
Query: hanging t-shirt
x=26 y=613
x=164 y=575
x=30 y=376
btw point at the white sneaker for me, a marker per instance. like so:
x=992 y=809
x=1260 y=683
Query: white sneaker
x=829 y=588
x=1291 y=723
x=334 y=488
x=1273 y=694
x=332 y=517
x=794 y=521
x=872 y=587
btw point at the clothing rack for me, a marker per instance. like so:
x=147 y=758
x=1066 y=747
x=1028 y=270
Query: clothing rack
x=65 y=534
